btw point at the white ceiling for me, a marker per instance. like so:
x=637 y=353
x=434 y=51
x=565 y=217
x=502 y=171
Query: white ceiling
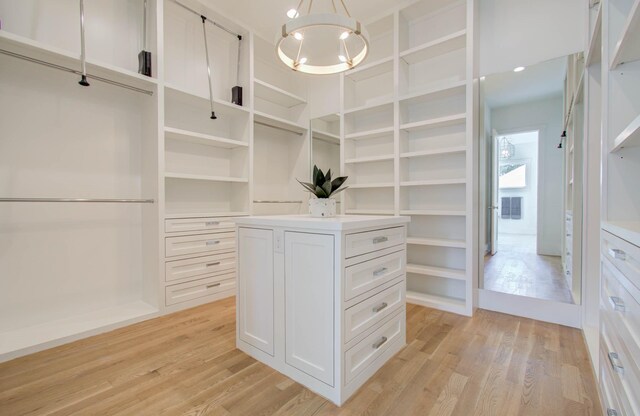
x=265 y=17
x=535 y=82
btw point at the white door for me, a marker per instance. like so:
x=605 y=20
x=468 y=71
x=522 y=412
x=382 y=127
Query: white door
x=494 y=194
x=255 y=286
x=309 y=304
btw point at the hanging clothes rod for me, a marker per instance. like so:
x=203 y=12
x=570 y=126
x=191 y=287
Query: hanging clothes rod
x=266 y=201
x=278 y=128
x=73 y=71
x=103 y=200
x=216 y=24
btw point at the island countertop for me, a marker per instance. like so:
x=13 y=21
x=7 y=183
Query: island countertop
x=337 y=223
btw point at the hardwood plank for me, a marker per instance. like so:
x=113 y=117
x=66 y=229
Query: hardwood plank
x=187 y=364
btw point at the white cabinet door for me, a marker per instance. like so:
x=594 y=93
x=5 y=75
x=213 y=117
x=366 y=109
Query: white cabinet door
x=255 y=286
x=309 y=304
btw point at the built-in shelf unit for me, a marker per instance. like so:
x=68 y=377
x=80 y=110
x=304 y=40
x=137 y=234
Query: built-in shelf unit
x=407 y=142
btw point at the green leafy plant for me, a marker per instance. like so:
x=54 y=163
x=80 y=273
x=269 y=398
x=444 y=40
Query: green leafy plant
x=323 y=186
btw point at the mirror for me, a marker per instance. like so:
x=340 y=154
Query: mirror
x=325 y=143
x=530 y=181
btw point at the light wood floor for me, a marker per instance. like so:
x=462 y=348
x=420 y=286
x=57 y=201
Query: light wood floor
x=186 y=364
x=517 y=269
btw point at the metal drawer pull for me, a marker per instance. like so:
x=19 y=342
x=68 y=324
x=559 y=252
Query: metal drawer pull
x=380 y=271
x=213 y=242
x=213 y=285
x=380 y=307
x=618 y=254
x=379 y=343
x=211 y=223
x=217 y=263
x=567 y=272
x=617 y=303
x=378 y=240
x=611 y=412
x=568 y=235
x=615 y=362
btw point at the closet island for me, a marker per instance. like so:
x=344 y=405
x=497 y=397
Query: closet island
x=322 y=300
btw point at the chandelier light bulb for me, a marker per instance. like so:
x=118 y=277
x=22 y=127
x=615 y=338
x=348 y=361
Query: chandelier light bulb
x=344 y=35
x=302 y=61
x=342 y=58
x=298 y=36
x=292 y=14
x=518 y=69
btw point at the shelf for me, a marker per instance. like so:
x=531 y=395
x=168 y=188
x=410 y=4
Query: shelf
x=443 y=272
x=371 y=107
x=370 y=70
x=207 y=214
x=76 y=326
x=435 y=182
x=219 y=106
x=434 y=212
x=276 y=95
x=441 y=46
x=444 y=90
x=434 y=123
x=174 y=175
x=629 y=137
x=371 y=185
x=627 y=47
x=42 y=52
x=278 y=122
x=594 y=52
x=443 y=303
x=369 y=159
x=325 y=135
x=443 y=151
x=436 y=242
x=627 y=230
x=370 y=134
x=200 y=138
x=370 y=212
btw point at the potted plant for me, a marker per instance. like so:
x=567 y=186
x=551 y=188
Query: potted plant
x=323 y=188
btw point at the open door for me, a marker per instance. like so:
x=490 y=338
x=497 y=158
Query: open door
x=494 y=193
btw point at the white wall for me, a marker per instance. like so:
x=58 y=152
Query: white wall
x=524 y=153
x=544 y=115
x=525 y=32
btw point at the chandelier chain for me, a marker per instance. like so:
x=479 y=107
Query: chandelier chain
x=333 y=3
x=345 y=8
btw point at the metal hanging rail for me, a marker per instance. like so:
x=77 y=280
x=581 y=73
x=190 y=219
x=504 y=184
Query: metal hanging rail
x=216 y=24
x=76 y=72
x=102 y=200
x=278 y=128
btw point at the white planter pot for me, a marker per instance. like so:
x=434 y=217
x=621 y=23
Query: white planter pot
x=322 y=207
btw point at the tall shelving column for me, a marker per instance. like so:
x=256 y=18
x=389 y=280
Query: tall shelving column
x=436 y=90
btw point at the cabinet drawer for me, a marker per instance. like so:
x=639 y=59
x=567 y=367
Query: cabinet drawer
x=183 y=292
x=624 y=377
x=624 y=255
x=365 y=276
x=361 y=243
x=369 y=312
x=199 y=266
x=619 y=302
x=366 y=351
x=196 y=224
x=611 y=404
x=202 y=243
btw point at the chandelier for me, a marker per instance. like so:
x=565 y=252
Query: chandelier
x=507 y=149
x=322 y=43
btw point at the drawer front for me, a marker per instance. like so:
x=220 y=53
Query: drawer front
x=183 y=292
x=369 y=312
x=624 y=255
x=365 y=276
x=361 y=243
x=624 y=376
x=199 y=266
x=202 y=243
x=197 y=224
x=611 y=404
x=621 y=308
x=366 y=351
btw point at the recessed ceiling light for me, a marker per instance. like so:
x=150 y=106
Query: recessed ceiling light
x=292 y=13
x=518 y=69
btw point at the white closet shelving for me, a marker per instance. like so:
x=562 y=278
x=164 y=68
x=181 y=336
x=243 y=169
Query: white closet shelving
x=407 y=142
